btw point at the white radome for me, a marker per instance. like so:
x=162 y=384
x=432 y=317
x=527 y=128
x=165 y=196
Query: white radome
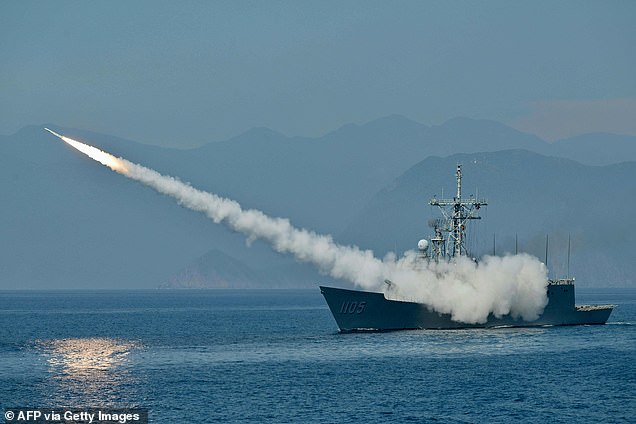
x=422 y=244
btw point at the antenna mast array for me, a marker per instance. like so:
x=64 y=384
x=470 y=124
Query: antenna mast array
x=456 y=213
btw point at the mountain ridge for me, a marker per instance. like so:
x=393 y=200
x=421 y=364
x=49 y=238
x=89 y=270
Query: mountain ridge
x=323 y=184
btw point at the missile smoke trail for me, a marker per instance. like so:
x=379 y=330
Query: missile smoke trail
x=468 y=291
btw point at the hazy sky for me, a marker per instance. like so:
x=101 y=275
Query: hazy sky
x=182 y=73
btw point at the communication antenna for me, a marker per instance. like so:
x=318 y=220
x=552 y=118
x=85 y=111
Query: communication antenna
x=546 y=252
x=569 y=236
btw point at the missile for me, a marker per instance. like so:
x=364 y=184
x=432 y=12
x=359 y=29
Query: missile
x=53 y=132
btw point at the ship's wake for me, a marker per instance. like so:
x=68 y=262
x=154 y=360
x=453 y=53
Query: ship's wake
x=468 y=291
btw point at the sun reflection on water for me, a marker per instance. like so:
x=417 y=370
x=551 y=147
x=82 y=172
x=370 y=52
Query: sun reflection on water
x=87 y=370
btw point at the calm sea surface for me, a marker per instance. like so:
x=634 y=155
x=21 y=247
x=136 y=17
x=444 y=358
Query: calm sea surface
x=276 y=356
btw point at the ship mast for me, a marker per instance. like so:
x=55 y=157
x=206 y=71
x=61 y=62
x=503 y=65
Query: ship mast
x=456 y=213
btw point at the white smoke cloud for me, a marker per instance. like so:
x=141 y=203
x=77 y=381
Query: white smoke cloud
x=468 y=291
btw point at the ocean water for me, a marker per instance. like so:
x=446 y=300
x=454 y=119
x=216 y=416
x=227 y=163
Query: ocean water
x=276 y=356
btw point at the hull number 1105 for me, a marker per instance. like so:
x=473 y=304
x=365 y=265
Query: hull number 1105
x=352 y=307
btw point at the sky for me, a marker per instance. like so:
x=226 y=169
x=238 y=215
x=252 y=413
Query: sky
x=181 y=74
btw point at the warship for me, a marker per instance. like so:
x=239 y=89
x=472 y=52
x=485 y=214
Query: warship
x=356 y=310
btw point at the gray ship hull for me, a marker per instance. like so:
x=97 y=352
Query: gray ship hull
x=356 y=310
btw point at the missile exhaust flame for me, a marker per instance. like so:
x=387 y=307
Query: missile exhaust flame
x=116 y=164
x=513 y=284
